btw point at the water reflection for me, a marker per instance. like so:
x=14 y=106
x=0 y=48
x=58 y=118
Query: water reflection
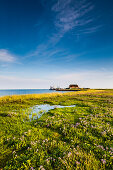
x=39 y=110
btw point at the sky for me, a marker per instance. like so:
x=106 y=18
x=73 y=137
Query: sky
x=47 y=43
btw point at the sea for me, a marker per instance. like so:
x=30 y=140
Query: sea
x=10 y=92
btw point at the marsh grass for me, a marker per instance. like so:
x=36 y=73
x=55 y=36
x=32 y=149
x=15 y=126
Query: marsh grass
x=80 y=137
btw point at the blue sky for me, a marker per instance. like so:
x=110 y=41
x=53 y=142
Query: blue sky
x=56 y=42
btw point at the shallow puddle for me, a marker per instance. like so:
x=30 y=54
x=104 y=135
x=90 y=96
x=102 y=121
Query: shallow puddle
x=39 y=110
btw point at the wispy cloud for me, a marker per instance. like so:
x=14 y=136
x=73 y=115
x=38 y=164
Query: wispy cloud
x=6 y=56
x=72 y=14
x=68 y=16
x=45 y=54
x=90 y=30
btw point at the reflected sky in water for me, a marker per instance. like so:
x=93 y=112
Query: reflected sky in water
x=41 y=109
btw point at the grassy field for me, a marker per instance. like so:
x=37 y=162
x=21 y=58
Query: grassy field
x=79 y=137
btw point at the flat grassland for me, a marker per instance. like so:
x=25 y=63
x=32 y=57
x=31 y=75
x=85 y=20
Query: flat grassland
x=69 y=138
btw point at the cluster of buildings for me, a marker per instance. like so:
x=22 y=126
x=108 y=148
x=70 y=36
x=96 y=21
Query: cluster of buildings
x=71 y=87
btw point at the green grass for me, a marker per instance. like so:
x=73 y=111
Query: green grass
x=79 y=138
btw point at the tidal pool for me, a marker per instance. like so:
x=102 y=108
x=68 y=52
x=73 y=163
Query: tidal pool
x=39 y=110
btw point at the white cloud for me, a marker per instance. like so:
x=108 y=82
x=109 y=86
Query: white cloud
x=72 y=14
x=91 y=79
x=46 y=54
x=6 y=56
x=13 y=82
x=68 y=15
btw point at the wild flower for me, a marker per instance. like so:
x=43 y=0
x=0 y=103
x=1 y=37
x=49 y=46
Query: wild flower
x=64 y=162
x=47 y=160
x=69 y=154
x=77 y=124
x=74 y=149
x=111 y=148
x=72 y=126
x=85 y=123
x=29 y=148
x=25 y=133
x=104 y=155
x=111 y=153
x=103 y=161
x=77 y=146
x=78 y=163
x=103 y=133
x=37 y=150
x=8 y=139
x=77 y=153
x=101 y=147
x=41 y=167
x=22 y=138
x=33 y=143
x=14 y=152
x=32 y=168
x=29 y=131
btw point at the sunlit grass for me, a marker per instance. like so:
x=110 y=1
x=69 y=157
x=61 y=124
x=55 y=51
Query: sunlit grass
x=80 y=137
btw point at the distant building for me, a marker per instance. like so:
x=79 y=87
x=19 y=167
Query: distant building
x=73 y=86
